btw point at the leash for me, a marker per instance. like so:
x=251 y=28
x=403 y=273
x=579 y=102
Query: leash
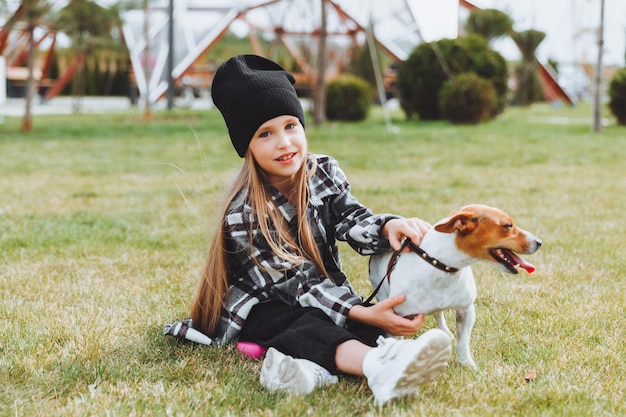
x=394 y=259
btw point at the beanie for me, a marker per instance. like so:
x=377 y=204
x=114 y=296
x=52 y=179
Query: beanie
x=249 y=90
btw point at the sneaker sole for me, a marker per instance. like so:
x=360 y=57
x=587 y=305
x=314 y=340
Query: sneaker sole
x=294 y=378
x=285 y=374
x=269 y=369
x=430 y=362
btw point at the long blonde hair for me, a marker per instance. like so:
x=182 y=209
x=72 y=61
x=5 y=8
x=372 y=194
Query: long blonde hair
x=212 y=291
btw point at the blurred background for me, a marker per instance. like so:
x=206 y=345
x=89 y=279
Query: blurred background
x=163 y=53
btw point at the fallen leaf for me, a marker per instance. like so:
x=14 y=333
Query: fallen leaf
x=530 y=375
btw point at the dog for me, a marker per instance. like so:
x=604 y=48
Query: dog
x=437 y=275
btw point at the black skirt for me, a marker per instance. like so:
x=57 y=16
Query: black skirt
x=303 y=332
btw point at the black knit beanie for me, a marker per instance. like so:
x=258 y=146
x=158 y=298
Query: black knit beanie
x=249 y=90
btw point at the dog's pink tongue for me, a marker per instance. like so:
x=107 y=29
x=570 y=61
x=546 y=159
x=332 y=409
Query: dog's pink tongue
x=530 y=268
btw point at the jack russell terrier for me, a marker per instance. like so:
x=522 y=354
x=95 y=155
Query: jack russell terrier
x=437 y=276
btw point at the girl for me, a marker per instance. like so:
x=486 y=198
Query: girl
x=273 y=274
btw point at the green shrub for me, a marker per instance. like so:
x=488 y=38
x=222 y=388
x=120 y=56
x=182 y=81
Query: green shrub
x=617 y=95
x=468 y=99
x=349 y=98
x=528 y=89
x=489 y=23
x=421 y=76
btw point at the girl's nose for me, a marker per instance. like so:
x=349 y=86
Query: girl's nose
x=283 y=140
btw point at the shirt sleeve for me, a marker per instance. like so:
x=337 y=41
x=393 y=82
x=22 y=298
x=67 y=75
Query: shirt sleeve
x=354 y=223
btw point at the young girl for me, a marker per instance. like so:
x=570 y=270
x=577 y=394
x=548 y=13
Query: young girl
x=273 y=274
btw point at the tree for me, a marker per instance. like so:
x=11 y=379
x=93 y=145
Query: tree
x=148 y=58
x=597 y=117
x=318 y=92
x=34 y=12
x=489 y=23
x=89 y=26
x=528 y=85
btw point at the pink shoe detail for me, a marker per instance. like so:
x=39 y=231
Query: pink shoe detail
x=251 y=350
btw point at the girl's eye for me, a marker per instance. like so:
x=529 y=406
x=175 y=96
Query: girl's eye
x=264 y=134
x=290 y=126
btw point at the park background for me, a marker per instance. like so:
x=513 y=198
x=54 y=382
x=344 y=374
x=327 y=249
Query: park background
x=105 y=216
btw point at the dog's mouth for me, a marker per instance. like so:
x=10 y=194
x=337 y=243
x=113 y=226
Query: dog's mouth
x=511 y=261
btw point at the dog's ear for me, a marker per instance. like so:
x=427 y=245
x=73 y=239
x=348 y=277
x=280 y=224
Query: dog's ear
x=463 y=222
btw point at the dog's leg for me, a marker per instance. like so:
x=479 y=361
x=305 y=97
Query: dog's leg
x=464 y=322
x=441 y=323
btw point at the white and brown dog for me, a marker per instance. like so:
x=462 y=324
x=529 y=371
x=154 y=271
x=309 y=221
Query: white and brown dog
x=437 y=276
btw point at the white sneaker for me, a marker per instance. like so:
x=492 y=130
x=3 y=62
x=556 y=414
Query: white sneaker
x=281 y=372
x=397 y=368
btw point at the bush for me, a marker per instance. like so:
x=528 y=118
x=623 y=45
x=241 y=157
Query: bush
x=617 y=95
x=489 y=23
x=468 y=99
x=421 y=76
x=528 y=83
x=348 y=97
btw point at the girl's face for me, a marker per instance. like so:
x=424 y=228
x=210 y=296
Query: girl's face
x=279 y=147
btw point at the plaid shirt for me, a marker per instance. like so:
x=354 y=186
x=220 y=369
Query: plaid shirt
x=334 y=214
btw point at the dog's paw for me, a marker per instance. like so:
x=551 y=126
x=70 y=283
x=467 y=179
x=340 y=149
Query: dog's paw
x=469 y=364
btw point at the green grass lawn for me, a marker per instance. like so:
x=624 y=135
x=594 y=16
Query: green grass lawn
x=104 y=223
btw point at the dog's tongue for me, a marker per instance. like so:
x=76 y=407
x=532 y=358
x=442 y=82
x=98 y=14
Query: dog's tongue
x=530 y=268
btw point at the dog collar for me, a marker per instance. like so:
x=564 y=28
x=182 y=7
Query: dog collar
x=422 y=254
x=417 y=250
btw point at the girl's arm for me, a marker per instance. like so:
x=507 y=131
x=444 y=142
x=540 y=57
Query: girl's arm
x=365 y=231
x=381 y=315
x=352 y=222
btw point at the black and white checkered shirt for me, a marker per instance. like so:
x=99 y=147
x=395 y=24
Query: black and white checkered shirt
x=334 y=214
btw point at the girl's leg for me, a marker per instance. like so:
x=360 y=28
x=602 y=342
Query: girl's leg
x=394 y=368
x=349 y=357
x=398 y=367
x=282 y=372
x=304 y=333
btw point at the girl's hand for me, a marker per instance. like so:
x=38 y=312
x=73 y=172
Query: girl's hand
x=395 y=230
x=381 y=315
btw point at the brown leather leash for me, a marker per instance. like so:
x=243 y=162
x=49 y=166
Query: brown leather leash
x=394 y=259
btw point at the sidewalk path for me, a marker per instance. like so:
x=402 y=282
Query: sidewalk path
x=14 y=107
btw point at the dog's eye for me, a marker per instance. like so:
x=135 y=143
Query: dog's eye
x=508 y=226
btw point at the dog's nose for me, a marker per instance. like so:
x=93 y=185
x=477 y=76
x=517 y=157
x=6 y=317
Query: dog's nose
x=539 y=243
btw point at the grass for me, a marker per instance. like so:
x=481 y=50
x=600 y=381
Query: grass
x=104 y=221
